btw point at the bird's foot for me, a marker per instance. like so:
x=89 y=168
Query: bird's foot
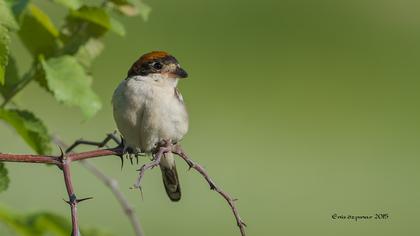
x=129 y=153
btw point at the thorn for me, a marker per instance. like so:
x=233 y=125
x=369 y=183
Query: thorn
x=242 y=224
x=131 y=159
x=61 y=157
x=235 y=199
x=68 y=202
x=212 y=186
x=83 y=199
x=122 y=162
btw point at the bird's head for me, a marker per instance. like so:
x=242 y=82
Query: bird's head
x=157 y=65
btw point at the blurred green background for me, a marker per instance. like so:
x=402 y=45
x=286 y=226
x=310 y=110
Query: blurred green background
x=301 y=109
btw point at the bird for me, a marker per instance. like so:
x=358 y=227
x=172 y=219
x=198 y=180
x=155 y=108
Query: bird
x=149 y=109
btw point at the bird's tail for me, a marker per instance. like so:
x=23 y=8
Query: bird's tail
x=170 y=177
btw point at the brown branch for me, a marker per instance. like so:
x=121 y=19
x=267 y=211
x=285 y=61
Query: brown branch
x=231 y=201
x=45 y=159
x=168 y=147
x=111 y=183
x=63 y=162
x=72 y=197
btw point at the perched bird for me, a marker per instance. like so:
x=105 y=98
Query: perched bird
x=149 y=109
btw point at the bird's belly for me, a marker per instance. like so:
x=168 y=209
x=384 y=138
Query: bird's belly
x=145 y=116
x=163 y=119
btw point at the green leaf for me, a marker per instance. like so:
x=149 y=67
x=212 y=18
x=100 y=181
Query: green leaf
x=37 y=224
x=45 y=222
x=70 y=84
x=70 y=4
x=117 y=27
x=6 y=16
x=30 y=128
x=15 y=223
x=40 y=224
x=93 y=15
x=18 y=6
x=4 y=51
x=4 y=178
x=99 y=17
x=133 y=8
x=38 y=33
x=144 y=10
x=12 y=78
x=89 y=51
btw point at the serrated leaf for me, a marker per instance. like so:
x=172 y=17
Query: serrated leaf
x=4 y=178
x=6 y=16
x=70 y=84
x=38 y=33
x=4 y=51
x=11 y=78
x=30 y=128
x=89 y=51
x=71 y=4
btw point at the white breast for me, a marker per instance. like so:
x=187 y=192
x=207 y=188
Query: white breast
x=147 y=110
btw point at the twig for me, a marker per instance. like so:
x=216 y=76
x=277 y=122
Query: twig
x=106 y=180
x=231 y=201
x=166 y=147
x=72 y=197
x=46 y=159
x=63 y=163
x=101 y=144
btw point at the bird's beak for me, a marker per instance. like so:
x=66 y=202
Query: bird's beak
x=181 y=73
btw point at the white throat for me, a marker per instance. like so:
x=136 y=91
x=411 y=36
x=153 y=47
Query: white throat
x=157 y=79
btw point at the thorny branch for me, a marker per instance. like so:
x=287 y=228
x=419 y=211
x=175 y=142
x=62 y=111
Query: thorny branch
x=168 y=147
x=231 y=201
x=106 y=180
x=64 y=161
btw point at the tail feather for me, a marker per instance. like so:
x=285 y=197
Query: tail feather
x=171 y=180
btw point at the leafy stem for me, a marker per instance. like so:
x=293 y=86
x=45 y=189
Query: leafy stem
x=20 y=85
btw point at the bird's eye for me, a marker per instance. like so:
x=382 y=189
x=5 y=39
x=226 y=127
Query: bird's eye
x=157 y=65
